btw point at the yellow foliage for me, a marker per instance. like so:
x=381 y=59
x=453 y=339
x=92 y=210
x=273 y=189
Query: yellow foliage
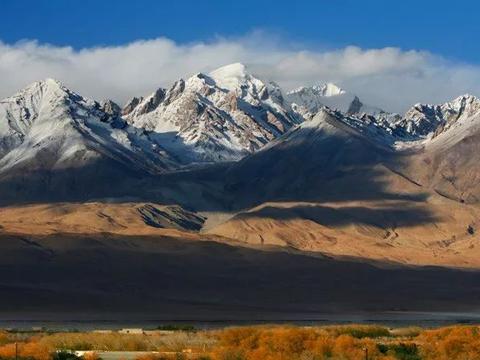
x=452 y=343
x=7 y=350
x=350 y=342
x=36 y=350
x=32 y=350
x=291 y=343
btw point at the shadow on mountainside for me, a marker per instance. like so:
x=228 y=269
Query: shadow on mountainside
x=394 y=215
x=318 y=169
x=102 y=178
x=323 y=169
x=162 y=277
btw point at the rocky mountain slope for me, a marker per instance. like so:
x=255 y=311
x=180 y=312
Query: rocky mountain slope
x=269 y=174
x=222 y=198
x=47 y=118
x=224 y=115
x=54 y=139
x=349 y=187
x=423 y=120
x=446 y=158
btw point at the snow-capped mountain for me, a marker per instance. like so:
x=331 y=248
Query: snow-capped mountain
x=422 y=120
x=48 y=127
x=220 y=116
x=311 y=183
x=309 y=100
x=228 y=132
x=337 y=153
x=421 y=126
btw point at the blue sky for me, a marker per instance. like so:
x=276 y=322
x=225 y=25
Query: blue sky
x=447 y=28
x=391 y=54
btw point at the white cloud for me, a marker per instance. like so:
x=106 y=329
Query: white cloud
x=391 y=78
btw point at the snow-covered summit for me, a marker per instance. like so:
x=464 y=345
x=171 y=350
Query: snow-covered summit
x=220 y=116
x=309 y=100
x=327 y=89
x=422 y=126
x=232 y=77
x=426 y=120
x=34 y=94
x=238 y=79
x=23 y=114
x=47 y=126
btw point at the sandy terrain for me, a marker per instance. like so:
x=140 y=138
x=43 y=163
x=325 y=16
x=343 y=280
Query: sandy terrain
x=431 y=232
x=370 y=230
x=100 y=217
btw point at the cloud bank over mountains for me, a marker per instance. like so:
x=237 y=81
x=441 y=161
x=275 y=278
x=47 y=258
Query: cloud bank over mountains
x=390 y=78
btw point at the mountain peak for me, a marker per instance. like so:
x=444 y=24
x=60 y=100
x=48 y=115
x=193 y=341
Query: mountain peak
x=52 y=82
x=231 y=76
x=43 y=86
x=49 y=90
x=309 y=100
x=326 y=90
x=110 y=107
x=466 y=97
x=231 y=70
x=329 y=89
x=199 y=80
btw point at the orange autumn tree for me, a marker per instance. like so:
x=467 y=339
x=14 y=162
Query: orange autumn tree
x=291 y=343
x=30 y=350
x=452 y=343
